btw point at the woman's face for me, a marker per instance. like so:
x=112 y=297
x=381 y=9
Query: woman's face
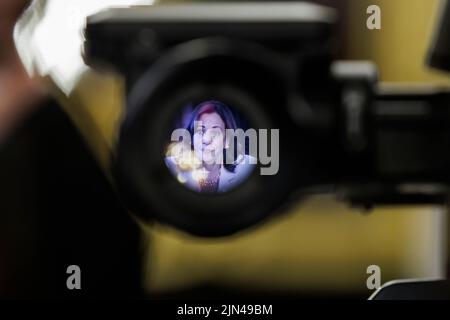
x=209 y=138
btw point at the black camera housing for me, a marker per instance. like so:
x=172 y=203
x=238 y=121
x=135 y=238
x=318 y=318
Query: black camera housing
x=256 y=57
x=274 y=62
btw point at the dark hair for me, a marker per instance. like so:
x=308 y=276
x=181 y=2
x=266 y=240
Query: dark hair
x=227 y=117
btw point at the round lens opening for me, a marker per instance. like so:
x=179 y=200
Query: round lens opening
x=209 y=149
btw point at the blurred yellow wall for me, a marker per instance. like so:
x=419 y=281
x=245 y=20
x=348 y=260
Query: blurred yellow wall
x=321 y=244
x=400 y=47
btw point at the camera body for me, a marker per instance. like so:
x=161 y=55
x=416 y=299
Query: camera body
x=274 y=62
x=133 y=38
